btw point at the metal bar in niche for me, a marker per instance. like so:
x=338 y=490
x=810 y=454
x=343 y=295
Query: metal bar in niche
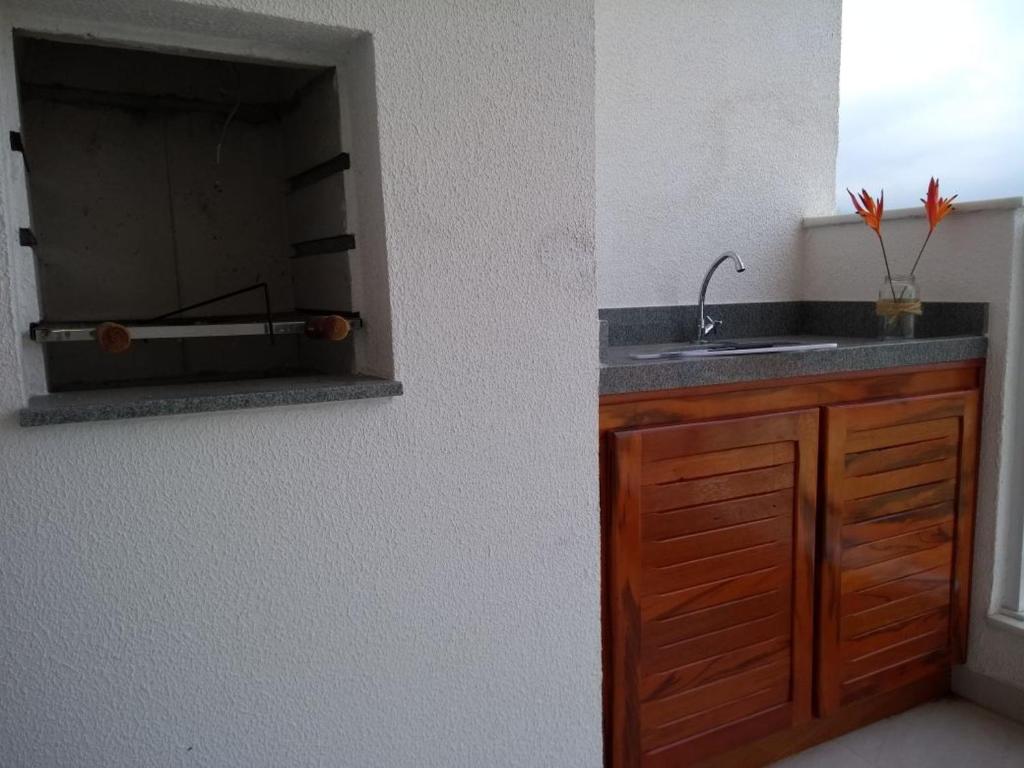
x=115 y=338
x=336 y=164
x=336 y=244
x=48 y=333
x=348 y=315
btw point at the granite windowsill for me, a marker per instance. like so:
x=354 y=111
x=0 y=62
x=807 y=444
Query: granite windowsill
x=137 y=402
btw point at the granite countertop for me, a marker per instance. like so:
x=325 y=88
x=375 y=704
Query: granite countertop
x=620 y=373
x=945 y=332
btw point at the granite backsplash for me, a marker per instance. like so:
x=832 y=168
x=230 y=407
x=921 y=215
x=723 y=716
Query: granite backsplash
x=856 y=319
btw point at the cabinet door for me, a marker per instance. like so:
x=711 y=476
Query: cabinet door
x=710 y=585
x=897 y=532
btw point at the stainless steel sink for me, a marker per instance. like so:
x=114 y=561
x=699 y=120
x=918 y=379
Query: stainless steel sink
x=727 y=348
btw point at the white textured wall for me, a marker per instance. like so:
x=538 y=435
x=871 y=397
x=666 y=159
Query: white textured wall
x=977 y=254
x=407 y=582
x=717 y=127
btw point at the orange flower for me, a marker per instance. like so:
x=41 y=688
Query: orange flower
x=869 y=210
x=936 y=207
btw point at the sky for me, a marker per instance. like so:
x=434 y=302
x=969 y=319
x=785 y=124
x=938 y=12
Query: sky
x=928 y=89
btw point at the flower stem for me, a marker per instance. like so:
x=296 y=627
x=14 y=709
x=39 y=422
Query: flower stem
x=885 y=258
x=921 y=252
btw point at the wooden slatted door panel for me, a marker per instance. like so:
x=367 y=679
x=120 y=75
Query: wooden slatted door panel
x=711 y=553
x=897 y=536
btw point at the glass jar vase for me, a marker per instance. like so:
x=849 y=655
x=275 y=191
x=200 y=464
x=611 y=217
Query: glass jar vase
x=899 y=304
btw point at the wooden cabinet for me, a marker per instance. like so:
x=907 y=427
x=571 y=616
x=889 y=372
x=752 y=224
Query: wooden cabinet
x=731 y=638
x=712 y=583
x=896 y=531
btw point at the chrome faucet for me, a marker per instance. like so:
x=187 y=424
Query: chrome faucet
x=707 y=325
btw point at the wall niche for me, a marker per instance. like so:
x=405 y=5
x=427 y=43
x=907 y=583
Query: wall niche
x=188 y=215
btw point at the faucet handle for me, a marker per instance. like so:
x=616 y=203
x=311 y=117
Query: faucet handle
x=709 y=325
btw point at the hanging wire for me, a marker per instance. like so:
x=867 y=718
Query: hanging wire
x=233 y=112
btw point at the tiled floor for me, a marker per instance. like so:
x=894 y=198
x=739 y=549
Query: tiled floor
x=951 y=733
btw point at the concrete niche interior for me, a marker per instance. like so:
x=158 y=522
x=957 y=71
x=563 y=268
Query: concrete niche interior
x=159 y=180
